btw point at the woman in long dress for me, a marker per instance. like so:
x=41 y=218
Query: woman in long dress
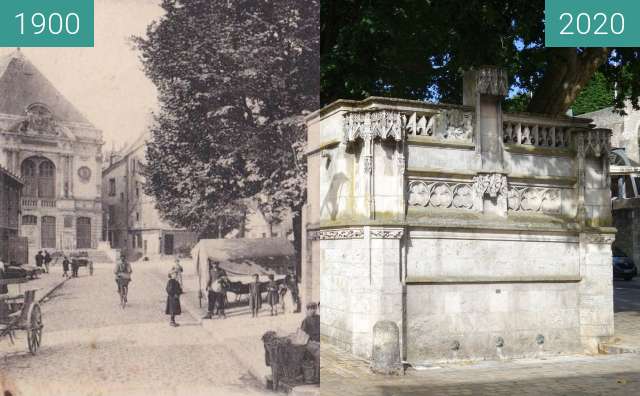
x=173 y=299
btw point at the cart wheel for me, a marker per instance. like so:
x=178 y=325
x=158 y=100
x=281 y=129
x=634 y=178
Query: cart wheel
x=34 y=328
x=91 y=268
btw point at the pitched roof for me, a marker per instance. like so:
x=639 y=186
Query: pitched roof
x=22 y=84
x=11 y=175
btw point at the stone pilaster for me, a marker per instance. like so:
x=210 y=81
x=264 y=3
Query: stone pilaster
x=595 y=289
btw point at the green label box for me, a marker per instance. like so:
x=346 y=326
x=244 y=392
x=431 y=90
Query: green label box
x=592 y=23
x=46 y=23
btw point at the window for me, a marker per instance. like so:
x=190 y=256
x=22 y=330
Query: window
x=68 y=221
x=112 y=214
x=137 y=216
x=121 y=197
x=137 y=191
x=133 y=166
x=29 y=220
x=112 y=187
x=46 y=179
x=40 y=177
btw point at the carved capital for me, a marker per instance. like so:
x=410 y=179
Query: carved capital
x=491 y=81
x=596 y=142
x=368 y=125
x=492 y=184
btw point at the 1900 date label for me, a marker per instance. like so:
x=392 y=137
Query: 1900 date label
x=46 y=23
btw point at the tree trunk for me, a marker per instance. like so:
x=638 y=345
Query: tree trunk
x=567 y=74
x=297 y=240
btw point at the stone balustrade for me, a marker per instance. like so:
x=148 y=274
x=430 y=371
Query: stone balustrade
x=539 y=131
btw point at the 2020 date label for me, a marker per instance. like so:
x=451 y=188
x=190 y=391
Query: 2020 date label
x=46 y=23
x=592 y=23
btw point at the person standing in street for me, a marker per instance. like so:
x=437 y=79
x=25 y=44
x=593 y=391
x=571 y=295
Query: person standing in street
x=74 y=268
x=282 y=292
x=65 y=267
x=220 y=288
x=311 y=326
x=255 y=296
x=47 y=261
x=215 y=272
x=272 y=295
x=39 y=259
x=177 y=269
x=173 y=298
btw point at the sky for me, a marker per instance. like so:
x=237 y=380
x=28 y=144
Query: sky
x=106 y=83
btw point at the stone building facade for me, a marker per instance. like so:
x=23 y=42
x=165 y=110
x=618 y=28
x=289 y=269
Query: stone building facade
x=481 y=234
x=625 y=175
x=10 y=195
x=131 y=221
x=57 y=152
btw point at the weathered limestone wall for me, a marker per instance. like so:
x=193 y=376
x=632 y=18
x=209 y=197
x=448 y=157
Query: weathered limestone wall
x=480 y=234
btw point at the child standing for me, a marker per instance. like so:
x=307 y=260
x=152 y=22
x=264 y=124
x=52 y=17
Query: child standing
x=65 y=267
x=272 y=294
x=173 y=299
x=255 y=296
x=282 y=292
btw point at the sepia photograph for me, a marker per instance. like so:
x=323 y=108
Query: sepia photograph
x=152 y=193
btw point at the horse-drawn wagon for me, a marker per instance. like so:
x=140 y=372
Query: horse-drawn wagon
x=21 y=312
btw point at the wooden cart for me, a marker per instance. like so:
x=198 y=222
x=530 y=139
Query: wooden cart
x=21 y=312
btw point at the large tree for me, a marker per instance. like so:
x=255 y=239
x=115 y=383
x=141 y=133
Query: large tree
x=419 y=48
x=235 y=78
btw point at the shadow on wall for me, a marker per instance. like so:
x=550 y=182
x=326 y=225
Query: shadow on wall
x=330 y=201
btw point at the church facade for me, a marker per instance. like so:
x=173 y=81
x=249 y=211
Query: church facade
x=58 y=154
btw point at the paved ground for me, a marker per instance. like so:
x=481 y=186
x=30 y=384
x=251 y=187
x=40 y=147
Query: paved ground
x=627 y=315
x=344 y=375
x=93 y=347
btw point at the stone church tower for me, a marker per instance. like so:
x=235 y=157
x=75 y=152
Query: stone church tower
x=57 y=152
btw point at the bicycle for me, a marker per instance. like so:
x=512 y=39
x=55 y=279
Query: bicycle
x=123 y=290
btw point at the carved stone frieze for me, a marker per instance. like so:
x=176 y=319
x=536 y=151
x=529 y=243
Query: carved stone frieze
x=535 y=199
x=595 y=142
x=447 y=124
x=440 y=194
x=491 y=184
x=387 y=233
x=346 y=233
x=371 y=124
x=450 y=124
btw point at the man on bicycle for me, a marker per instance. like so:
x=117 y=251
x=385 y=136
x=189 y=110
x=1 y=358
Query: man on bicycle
x=122 y=272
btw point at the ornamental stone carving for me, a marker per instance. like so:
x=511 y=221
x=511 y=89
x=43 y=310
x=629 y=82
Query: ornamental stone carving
x=492 y=81
x=440 y=194
x=535 y=199
x=450 y=124
x=387 y=234
x=492 y=184
x=371 y=124
x=348 y=233
x=38 y=120
x=595 y=142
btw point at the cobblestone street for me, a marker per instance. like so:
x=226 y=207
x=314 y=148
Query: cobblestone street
x=93 y=347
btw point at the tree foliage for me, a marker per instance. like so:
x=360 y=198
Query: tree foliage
x=597 y=95
x=235 y=78
x=419 y=49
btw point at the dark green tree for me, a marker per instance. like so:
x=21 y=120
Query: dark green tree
x=598 y=94
x=419 y=49
x=235 y=78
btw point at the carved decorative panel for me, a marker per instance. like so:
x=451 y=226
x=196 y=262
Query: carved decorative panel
x=535 y=199
x=440 y=194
